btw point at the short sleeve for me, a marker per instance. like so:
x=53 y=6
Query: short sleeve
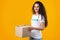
x=32 y=16
x=42 y=19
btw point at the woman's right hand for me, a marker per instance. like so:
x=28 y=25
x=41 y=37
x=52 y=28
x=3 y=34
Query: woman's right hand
x=29 y=28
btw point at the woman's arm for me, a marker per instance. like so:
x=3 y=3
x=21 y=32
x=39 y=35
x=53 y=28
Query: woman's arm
x=42 y=26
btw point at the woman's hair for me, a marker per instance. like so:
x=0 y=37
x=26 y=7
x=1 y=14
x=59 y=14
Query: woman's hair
x=41 y=11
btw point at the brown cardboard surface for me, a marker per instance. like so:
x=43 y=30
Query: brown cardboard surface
x=22 y=31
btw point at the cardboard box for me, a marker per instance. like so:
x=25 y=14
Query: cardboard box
x=22 y=31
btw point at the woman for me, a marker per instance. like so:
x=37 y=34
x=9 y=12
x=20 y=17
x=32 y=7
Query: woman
x=38 y=21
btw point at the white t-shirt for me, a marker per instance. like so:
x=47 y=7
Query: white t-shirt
x=35 y=22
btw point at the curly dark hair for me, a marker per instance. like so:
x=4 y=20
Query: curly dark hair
x=41 y=11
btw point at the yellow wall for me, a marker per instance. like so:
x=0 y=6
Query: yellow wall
x=18 y=12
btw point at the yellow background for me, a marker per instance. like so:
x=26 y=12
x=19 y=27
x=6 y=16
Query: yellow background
x=19 y=12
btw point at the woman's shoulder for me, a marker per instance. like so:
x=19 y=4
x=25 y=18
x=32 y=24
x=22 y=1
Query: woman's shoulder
x=38 y=15
x=33 y=14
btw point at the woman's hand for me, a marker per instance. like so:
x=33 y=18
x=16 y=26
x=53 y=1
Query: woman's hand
x=42 y=25
x=30 y=28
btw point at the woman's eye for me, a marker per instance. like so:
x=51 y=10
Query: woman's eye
x=37 y=7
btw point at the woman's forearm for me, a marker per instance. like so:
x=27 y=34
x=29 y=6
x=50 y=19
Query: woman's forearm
x=36 y=28
x=42 y=26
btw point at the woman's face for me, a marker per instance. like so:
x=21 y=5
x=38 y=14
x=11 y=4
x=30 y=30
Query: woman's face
x=36 y=7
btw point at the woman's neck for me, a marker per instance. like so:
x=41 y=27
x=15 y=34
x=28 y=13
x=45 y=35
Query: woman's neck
x=37 y=13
